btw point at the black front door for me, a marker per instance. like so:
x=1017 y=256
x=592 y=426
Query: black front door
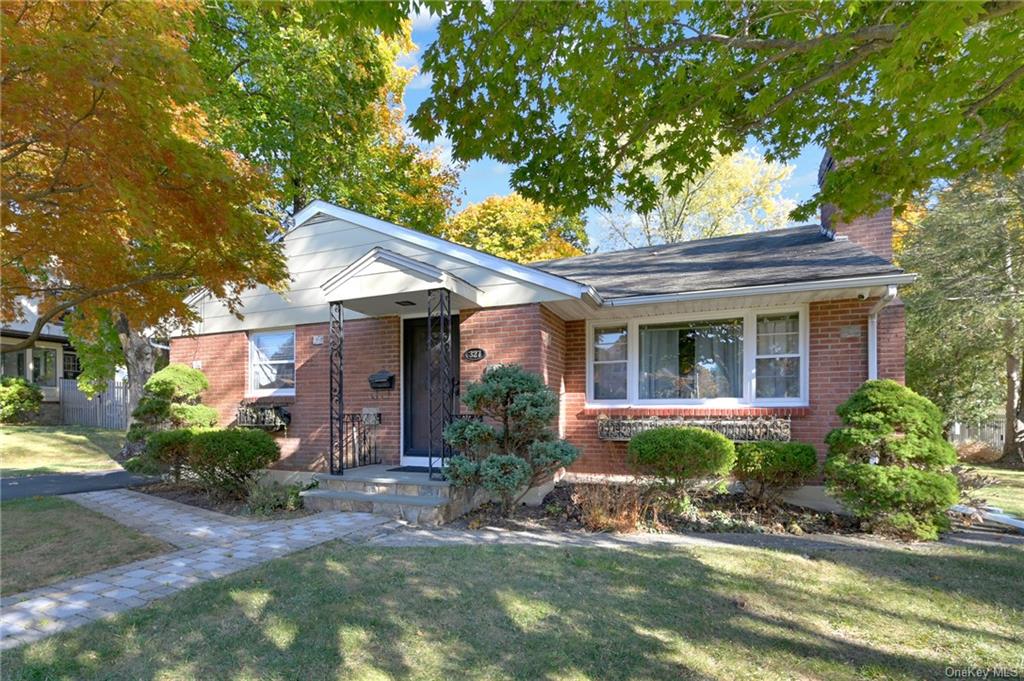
x=416 y=425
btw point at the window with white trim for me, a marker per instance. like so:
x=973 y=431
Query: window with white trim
x=12 y=364
x=610 y=362
x=777 y=361
x=753 y=357
x=272 y=362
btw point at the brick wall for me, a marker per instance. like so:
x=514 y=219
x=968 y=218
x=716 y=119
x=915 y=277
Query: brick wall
x=873 y=233
x=838 y=365
x=370 y=345
x=537 y=339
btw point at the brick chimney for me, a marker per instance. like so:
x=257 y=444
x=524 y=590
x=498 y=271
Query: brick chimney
x=873 y=232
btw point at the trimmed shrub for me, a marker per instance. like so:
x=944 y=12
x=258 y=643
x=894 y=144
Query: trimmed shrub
x=19 y=399
x=676 y=454
x=192 y=416
x=462 y=472
x=519 y=408
x=169 y=450
x=768 y=468
x=177 y=383
x=142 y=465
x=227 y=461
x=505 y=475
x=890 y=464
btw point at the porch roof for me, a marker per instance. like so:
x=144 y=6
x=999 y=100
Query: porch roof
x=383 y=282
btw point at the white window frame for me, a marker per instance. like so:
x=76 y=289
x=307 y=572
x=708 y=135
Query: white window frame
x=593 y=362
x=51 y=393
x=748 y=399
x=252 y=391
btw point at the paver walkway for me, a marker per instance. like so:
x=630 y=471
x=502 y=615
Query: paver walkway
x=212 y=545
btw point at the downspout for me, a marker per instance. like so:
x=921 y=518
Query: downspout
x=883 y=302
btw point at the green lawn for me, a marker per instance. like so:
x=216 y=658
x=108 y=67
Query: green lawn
x=49 y=539
x=1009 y=493
x=493 y=612
x=31 y=450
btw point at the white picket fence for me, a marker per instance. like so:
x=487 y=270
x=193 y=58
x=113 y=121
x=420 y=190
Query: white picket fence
x=108 y=409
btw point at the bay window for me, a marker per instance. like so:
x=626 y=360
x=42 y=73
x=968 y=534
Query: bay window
x=756 y=357
x=272 y=362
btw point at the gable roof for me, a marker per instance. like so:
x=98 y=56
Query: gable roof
x=538 y=277
x=784 y=256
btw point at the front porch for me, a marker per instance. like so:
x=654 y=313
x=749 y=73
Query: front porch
x=414 y=497
x=427 y=300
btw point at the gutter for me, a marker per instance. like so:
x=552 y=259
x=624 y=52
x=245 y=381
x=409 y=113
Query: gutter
x=891 y=280
x=883 y=302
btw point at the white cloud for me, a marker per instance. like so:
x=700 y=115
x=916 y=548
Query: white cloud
x=423 y=19
x=421 y=81
x=409 y=59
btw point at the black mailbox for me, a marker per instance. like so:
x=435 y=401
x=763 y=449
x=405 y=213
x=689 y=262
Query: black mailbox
x=382 y=380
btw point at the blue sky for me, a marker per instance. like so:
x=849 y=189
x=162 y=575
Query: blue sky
x=487 y=177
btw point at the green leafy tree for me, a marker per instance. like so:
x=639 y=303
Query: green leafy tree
x=737 y=193
x=518 y=229
x=513 y=448
x=311 y=89
x=965 y=313
x=585 y=98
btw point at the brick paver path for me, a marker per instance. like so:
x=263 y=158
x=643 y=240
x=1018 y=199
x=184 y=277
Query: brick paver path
x=211 y=545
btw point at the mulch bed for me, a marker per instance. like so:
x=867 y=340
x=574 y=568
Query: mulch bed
x=710 y=512
x=191 y=495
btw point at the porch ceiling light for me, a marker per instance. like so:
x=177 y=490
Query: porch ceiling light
x=404 y=303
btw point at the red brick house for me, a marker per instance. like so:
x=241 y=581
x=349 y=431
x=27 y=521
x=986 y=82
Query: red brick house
x=757 y=335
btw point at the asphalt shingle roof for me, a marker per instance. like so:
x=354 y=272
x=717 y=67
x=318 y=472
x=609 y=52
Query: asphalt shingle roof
x=795 y=254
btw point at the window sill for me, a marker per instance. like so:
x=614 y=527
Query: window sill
x=598 y=409
x=270 y=398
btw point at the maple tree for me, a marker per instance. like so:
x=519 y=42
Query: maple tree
x=114 y=198
x=582 y=98
x=312 y=90
x=518 y=229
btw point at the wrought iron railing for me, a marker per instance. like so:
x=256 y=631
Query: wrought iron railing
x=358 y=443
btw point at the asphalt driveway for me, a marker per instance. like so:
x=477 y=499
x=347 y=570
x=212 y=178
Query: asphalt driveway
x=67 y=483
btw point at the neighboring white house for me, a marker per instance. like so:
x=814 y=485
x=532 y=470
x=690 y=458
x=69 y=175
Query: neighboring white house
x=50 y=359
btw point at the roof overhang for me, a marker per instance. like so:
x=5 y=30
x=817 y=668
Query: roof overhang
x=383 y=282
x=868 y=282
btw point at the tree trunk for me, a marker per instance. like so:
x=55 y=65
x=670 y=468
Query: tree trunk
x=1014 y=414
x=140 y=359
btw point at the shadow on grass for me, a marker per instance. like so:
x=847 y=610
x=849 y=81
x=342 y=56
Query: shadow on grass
x=535 y=613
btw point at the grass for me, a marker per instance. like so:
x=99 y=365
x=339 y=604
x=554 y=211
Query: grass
x=1009 y=493
x=48 y=539
x=505 y=612
x=33 y=450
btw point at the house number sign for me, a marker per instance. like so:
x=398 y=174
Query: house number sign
x=474 y=354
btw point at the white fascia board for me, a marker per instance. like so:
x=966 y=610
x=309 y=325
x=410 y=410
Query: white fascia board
x=552 y=282
x=769 y=289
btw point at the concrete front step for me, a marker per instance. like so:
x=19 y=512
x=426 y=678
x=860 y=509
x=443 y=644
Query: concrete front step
x=406 y=486
x=416 y=509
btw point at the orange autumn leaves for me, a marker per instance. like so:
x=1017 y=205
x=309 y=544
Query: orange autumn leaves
x=113 y=192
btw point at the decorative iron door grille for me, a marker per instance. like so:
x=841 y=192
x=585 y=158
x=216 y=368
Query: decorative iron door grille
x=440 y=381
